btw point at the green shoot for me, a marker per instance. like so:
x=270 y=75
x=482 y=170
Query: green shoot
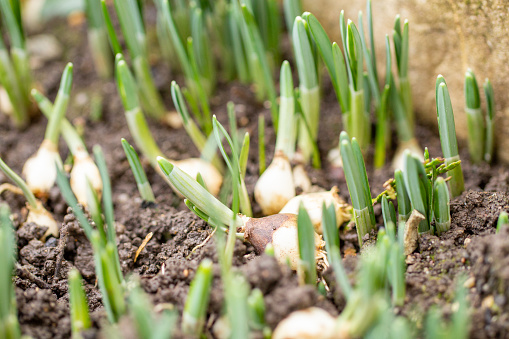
x=131 y=23
x=490 y=121
x=147 y=323
x=108 y=272
x=70 y=134
x=197 y=300
x=401 y=47
x=9 y=326
x=382 y=139
x=448 y=136
x=29 y=196
x=331 y=237
x=292 y=9
x=309 y=88
x=98 y=39
x=389 y=216
x=196 y=194
x=60 y=106
x=286 y=134
x=475 y=121
x=419 y=188
x=135 y=120
x=503 y=220
x=262 y=163
x=237 y=309
x=80 y=318
x=139 y=174
x=404 y=205
x=112 y=36
x=256 y=57
x=189 y=66
x=15 y=74
x=441 y=208
x=307 y=250
x=233 y=164
x=358 y=185
x=256 y=308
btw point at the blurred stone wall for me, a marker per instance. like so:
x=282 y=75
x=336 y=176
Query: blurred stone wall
x=446 y=37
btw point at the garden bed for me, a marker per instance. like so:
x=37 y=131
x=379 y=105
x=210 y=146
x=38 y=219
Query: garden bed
x=168 y=263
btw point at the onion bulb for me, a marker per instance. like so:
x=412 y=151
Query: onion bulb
x=301 y=179
x=40 y=170
x=399 y=158
x=275 y=187
x=83 y=170
x=313 y=204
x=281 y=231
x=312 y=323
x=42 y=217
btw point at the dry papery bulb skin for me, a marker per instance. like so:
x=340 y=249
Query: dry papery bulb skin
x=275 y=187
x=84 y=169
x=211 y=176
x=313 y=203
x=40 y=170
x=281 y=231
x=309 y=323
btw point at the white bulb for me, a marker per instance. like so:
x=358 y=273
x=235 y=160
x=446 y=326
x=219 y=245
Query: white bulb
x=40 y=170
x=275 y=186
x=211 y=176
x=84 y=168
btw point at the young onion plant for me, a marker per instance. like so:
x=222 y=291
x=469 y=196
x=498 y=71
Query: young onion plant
x=98 y=39
x=80 y=317
x=84 y=169
x=199 y=84
x=143 y=138
x=256 y=56
x=278 y=229
x=358 y=185
x=480 y=130
x=9 y=326
x=36 y=211
x=309 y=89
x=107 y=265
x=40 y=170
x=448 y=139
x=132 y=26
x=144 y=187
x=15 y=74
x=276 y=186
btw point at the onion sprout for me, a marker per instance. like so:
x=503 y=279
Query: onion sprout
x=139 y=174
x=448 y=139
x=143 y=137
x=358 y=185
x=15 y=74
x=98 y=39
x=503 y=221
x=36 y=211
x=307 y=249
x=195 y=309
x=441 y=208
x=490 y=121
x=262 y=163
x=475 y=121
x=308 y=86
x=9 y=325
x=80 y=318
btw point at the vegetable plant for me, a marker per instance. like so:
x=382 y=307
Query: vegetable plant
x=9 y=326
x=480 y=129
x=40 y=170
x=448 y=136
x=15 y=73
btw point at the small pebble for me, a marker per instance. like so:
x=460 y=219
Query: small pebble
x=43 y=48
x=52 y=242
x=467 y=242
x=469 y=283
x=488 y=302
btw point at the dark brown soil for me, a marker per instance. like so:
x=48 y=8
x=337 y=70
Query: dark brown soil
x=167 y=264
